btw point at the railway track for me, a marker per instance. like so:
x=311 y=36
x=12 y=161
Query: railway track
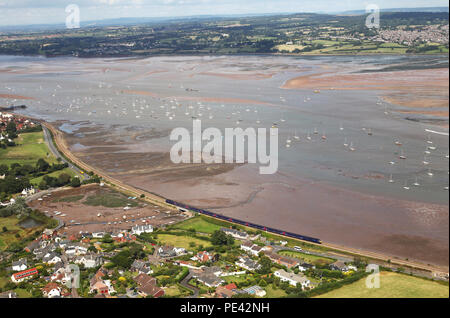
x=161 y=201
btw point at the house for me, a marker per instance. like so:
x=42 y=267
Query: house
x=255 y=290
x=19 y=265
x=166 y=251
x=248 y=263
x=339 y=266
x=74 y=249
x=147 y=286
x=8 y=294
x=293 y=279
x=209 y=276
x=28 y=191
x=51 y=258
x=282 y=260
x=224 y=292
x=89 y=260
x=240 y=235
x=203 y=257
x=61 y=276
x=48 y=234
x=23 y=275
x=303 y=267
x=139 y=229
x=99 y=285
x=141 y=267
x=98 y=234
x=251 y=248
x=51 y=290
x=124 y=237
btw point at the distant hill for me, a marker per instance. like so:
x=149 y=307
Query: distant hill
x=421 y=9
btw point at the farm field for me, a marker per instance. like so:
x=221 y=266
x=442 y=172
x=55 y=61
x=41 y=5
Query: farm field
x=200 y=224
x=30 y=147
x=392 y=285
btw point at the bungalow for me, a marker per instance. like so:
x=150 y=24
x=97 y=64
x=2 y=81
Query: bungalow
x=282 y=260
x=339 y=266
x=209 y=276
x=208 y=279
x=303 y=267
x=293 y=279
x=139 y=229
x=19 y=265
x=248 y=263
x=26 y=274
x=147 y=286
x=240 y=235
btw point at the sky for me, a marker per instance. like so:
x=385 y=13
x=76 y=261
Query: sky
x=26 y=12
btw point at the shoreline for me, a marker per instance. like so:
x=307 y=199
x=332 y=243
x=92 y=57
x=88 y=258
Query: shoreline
x=160 y=200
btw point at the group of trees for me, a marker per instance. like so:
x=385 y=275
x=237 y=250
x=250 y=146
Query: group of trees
x=220 y=238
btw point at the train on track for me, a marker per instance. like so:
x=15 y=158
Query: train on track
x=248 y=224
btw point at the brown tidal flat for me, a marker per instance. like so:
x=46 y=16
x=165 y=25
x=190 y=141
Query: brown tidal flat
x=416 y=89
x=11 y=96
x=225 y=100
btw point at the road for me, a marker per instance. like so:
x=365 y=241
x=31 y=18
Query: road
x=184 y=283
x=57 y=154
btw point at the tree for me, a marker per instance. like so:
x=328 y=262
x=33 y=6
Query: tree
x=75 y=182
x=220 y=238
x=11 y=128
x=42 y=165
x=63 y=179
x=3 y=169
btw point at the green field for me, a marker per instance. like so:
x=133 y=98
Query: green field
x=181 y=241
x=8 y=237
x=392 y=285
x=200 y=224
x=274 y=293
x=54 y=174
x=30 y=147
x=316 y=260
